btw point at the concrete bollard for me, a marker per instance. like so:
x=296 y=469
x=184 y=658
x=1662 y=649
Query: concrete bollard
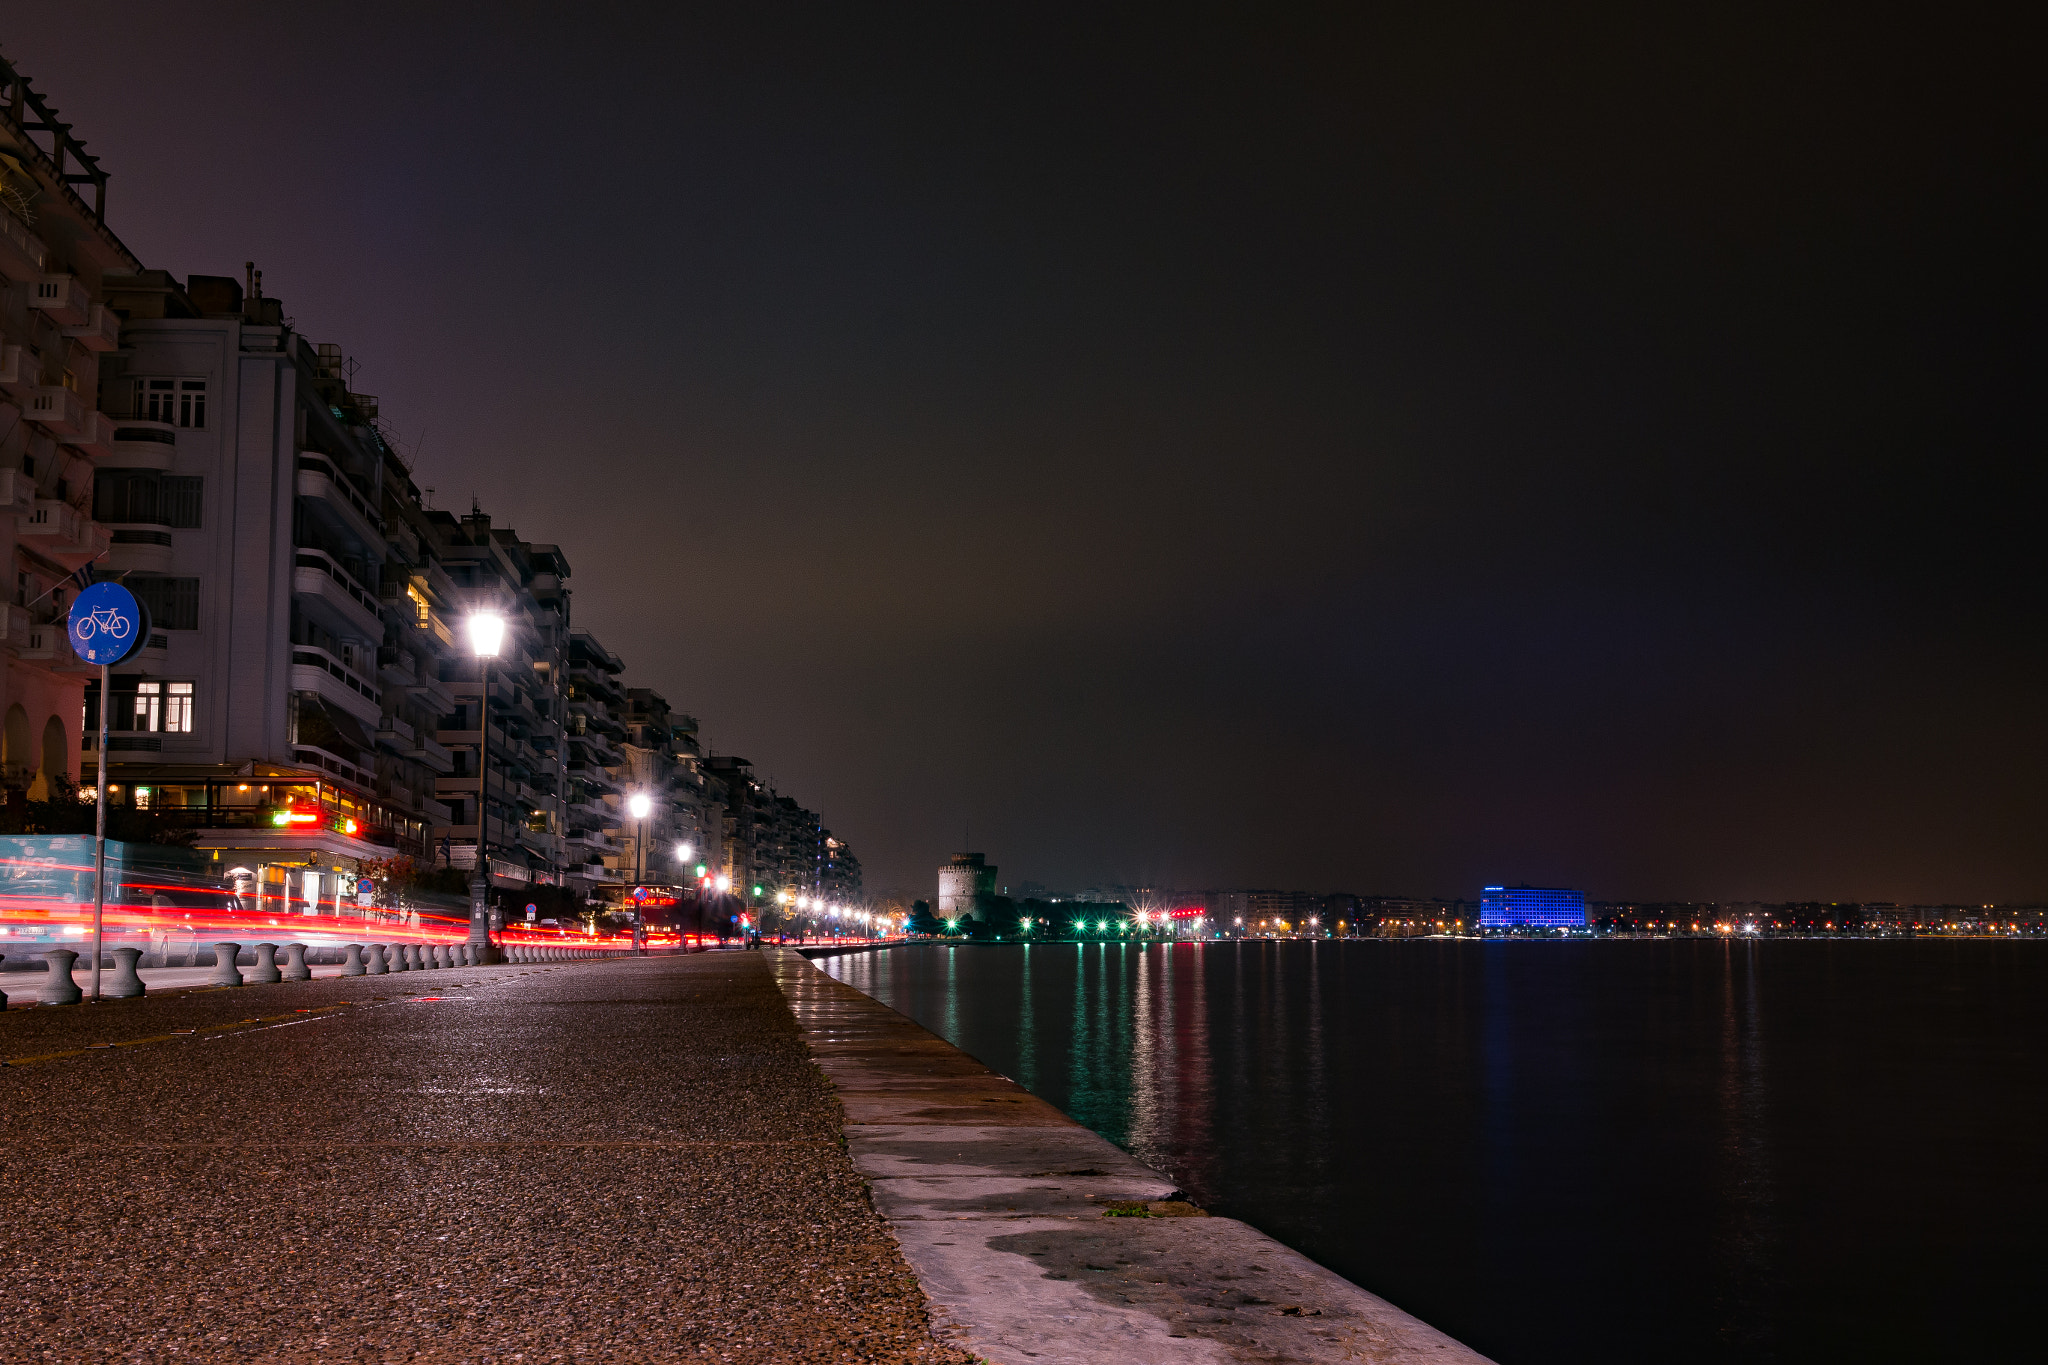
x=352 y=963
x=515 y=954
x=3 y=994
x=373 y=957
x=58 y=987
x=468 y=958
x=416 y=957
x=394 y=957
x=224 y=971
x=126 y=982
x=444 y=956
x=295 y=968
x=265 y=972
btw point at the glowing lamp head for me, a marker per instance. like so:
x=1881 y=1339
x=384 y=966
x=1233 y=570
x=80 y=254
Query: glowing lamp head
x=486 y=634
x=684 y=852
x=725 y=883
x=637 y=805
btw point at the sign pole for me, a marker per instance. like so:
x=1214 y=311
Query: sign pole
x=99 y=854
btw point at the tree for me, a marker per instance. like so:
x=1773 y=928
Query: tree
x=922 y=920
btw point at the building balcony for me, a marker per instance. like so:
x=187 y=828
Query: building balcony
x=396 y=735
x=328 y=594
x=140 y=546
x=144 y=445
x=59 y=411
x=20 y=375
x=17 y=489
x=403 y=541
x=94 y=438
x=397 y=667
x=21 y=254
x=61 y=533
x=14 y=625
x=315 y=670
x=434 y=695
x=309 y=756
x=331 y=498
x=101 y=330
x=433 y=754
x=45 y=640
x=62 y=299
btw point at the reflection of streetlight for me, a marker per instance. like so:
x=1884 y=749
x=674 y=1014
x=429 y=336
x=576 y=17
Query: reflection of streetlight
x=486 y=638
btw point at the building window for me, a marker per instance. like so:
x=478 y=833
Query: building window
x=178 y=708
x=180 y=402
x=163 y=708
x=127 y=495
x=173 y=602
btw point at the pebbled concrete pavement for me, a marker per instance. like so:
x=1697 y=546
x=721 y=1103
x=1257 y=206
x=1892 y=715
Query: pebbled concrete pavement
x=629 y=1160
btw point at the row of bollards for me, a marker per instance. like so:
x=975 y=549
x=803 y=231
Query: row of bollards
x=375 y=959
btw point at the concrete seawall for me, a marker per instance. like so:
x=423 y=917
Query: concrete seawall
x=1037 y=1240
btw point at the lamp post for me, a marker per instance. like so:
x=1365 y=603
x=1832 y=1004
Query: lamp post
x=638 y=806
x=486 y=637
x=684 y=852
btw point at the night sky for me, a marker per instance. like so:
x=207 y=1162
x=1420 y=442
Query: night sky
x=1388 y=453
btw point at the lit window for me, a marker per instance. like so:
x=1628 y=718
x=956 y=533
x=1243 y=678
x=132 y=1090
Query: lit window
x=178 y=708
x=163 y=708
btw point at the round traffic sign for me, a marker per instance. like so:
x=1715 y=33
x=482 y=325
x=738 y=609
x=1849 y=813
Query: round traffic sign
x=107 y=624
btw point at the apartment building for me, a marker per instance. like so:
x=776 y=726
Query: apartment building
x=664 y=763
x=506 y=788
x=57 y=259
x=280 y=702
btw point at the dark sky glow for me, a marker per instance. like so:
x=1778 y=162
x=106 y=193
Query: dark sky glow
x=1563 y=444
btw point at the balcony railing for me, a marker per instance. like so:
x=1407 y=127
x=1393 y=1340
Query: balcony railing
x=101 y=330
x=337 y=589
x=313 y=656
x=60 y=410
x=62 y=298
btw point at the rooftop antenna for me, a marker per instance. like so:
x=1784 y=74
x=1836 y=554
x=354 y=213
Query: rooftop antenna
x=430 y=497
x=249 y=278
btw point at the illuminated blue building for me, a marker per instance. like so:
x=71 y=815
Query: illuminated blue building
x=1506 y=907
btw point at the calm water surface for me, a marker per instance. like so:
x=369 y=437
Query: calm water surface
x=1599 y=1152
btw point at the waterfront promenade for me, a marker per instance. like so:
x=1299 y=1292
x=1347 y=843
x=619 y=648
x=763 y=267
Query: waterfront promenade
x=617 y=1160
x=623 y=1160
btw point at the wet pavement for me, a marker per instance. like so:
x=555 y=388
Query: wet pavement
x=627 y=1160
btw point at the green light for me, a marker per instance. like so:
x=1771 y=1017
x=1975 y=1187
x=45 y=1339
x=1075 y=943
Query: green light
x=701 y=869
x=1100 y=925
x=757 y=890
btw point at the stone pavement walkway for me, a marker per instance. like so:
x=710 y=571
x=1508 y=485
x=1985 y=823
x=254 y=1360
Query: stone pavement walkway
x=629 y=1160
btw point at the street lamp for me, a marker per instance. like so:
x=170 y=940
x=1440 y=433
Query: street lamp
x=486 y=638
x=639 y=806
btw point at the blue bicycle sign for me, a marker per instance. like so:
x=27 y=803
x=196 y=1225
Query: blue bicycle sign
x=106 y=624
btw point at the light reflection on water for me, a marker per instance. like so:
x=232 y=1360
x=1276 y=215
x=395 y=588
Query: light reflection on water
x=1611 y=1152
